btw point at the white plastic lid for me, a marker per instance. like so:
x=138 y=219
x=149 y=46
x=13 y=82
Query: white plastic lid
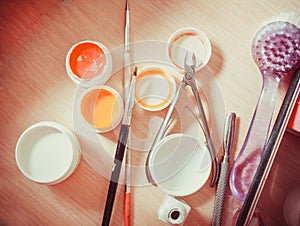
x=155 y=88
x=47 y=153
x=179 y=165
x=192 y=40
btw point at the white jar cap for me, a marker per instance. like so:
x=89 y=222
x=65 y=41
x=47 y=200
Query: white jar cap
x=47 y=153
x=189 y=40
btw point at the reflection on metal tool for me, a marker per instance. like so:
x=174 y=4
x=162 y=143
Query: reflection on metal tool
x=188 y=80
x=223 y=180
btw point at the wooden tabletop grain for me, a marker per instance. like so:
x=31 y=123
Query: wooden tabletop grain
x=34 y=86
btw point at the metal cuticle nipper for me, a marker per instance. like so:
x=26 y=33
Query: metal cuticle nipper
x=188 y=80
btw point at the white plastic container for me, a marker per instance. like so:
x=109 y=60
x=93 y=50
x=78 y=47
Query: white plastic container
x=47 y=153
x=179 y=165
x=155 y=88
x=173 y=211
x=189 y=39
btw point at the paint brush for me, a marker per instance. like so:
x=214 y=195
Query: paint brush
x=119 y=155
x=127 y=70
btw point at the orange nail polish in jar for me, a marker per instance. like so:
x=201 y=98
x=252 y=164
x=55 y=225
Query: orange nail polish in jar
x=88 y=63
x=101 y=108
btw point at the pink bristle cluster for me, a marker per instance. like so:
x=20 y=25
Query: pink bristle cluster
x=276 y=48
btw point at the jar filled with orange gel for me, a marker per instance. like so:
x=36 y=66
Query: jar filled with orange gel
x=101 y=108
x=87 y=63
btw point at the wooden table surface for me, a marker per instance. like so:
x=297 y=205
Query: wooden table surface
x=34 y=86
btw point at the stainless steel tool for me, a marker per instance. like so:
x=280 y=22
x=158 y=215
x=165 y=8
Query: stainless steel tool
x=188 y=80
x=225 y=164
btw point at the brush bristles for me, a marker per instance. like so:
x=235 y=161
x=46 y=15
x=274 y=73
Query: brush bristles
x=127 y=6
x=135 y=71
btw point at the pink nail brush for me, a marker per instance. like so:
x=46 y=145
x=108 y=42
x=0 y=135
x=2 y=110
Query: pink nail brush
x=276 y=51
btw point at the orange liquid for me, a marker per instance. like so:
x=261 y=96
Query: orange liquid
x=106 y=109
x=87 y=60
x=100 y=108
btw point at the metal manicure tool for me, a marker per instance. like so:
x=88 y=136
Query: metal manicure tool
x=189 y=80
x=225 y=164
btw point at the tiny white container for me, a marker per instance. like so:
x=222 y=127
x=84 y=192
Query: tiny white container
x=155 y=88
x=192 y=40
x=94 y=63
x=179 y=165
x=47 y=153
x=173 y=211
